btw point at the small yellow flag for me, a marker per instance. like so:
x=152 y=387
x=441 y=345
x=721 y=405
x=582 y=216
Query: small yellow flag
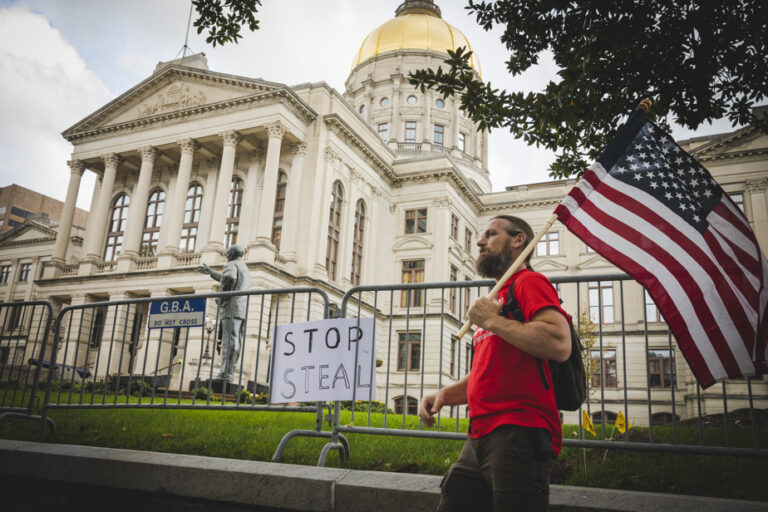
x=622 y=424
x=587 y=423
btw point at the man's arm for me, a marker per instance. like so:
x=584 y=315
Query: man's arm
x=546 y=336
x=455 y=394
x=205 y=269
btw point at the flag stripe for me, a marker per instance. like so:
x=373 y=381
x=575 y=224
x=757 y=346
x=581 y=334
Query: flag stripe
x=701 y=292
x=592 y=233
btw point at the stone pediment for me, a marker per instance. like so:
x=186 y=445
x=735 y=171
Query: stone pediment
x=175 y=90
x=412 y=244
x=596 y=262
x=548 y=265
x=27 y=233
x=744 y=142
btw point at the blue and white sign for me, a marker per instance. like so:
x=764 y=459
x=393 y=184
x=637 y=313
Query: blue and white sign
x=168 y=314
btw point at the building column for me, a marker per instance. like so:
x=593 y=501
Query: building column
x=67 y=215
x=101 y=215
x=261 y=247
x=396 y=129
x=318 y=239
x=757 y=194
x=170 y=230
x=215 y=243
x=427 y=124
x=292 y=200
x=455 y=127
x=137 y=211
x=250 y=199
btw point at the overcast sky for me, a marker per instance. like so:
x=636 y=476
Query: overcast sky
x=62 y=60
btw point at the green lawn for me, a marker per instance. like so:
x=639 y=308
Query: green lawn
x=254 y=435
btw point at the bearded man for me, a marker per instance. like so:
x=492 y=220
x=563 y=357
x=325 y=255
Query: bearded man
x=514 y=433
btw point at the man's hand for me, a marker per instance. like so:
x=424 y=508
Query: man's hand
x=204 y=269
x=429 y=406
x=484 y=310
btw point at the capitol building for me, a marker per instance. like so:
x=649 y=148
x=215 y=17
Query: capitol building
x=379 y=184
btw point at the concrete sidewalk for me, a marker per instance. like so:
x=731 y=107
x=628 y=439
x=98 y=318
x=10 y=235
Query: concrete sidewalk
x=42 y=477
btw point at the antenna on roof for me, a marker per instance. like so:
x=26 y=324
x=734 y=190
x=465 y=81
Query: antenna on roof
x=186 y=50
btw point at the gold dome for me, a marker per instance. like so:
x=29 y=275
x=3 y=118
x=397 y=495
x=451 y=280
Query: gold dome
x=414 y=29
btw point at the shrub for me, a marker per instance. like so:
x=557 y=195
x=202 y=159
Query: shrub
x=202 y=394
x=140 y=387
x=244 y=397
x=362 y=405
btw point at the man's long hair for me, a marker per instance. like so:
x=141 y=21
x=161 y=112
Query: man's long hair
x=517 y=225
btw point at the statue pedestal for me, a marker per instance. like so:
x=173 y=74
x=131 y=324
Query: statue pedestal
x=217 y=386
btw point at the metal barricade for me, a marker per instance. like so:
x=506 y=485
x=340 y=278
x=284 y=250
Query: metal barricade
x=107 y=355
x=635 y=370
x=24 y=329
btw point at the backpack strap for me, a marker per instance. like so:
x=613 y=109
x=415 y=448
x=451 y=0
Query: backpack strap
x=512 y=307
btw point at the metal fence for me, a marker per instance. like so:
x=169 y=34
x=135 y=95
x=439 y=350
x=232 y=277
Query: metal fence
x=105 y=355
x=633 y=364
x=24 y=330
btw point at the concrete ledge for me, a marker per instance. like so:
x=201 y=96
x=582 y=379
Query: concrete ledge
x=150 y=481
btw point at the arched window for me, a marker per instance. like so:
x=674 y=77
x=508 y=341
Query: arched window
x=116 y=227
x=277 y=219
x=191 y=217
x=233 y=216
x=334 y=230
x=152 y=222
x=357 y=242
x=413 y=405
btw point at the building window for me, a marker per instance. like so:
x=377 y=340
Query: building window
x=738 y=198
x=549 y=244
x=116 y=227
x=24 y=270
x=415 y=221
x=439 y=134
x=413 y=406
x=334 y=231
x=277 y=217
x=601 y=294
x=462 y=142
x=384 y=131
x=453 y=291
x=413 y=272
x=454 y=227
x=13 y=317
x=439 y=103
x=5 y=274
x=191 y=217
x=357 y=242
x=409 y=351
x=410 y=131
x=468 y=240
x=97 y=329
x=467 y=358
x=362 y=109
x=233 y=216
x=466 y=297
x=152 y=222
x=603 y=367
x=454 y=355
x=412 y=100
x=384 y=102
x=661 y=368
x=651 y=311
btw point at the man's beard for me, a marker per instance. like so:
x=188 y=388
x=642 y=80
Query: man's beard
x=493 y=265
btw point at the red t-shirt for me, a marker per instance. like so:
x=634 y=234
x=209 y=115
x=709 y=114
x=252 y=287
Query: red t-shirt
x=505 y=386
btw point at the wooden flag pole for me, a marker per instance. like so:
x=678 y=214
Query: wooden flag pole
x=513 y=268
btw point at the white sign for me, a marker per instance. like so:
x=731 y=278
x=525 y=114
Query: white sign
x=323 y=360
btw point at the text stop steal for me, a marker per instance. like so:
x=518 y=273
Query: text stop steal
x=323 y=360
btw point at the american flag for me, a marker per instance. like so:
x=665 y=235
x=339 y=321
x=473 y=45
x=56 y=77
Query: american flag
x=650 y=209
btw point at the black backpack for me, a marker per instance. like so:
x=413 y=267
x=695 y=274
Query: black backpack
x=568 y=378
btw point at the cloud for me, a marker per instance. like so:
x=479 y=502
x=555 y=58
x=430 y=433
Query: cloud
x=45 y=87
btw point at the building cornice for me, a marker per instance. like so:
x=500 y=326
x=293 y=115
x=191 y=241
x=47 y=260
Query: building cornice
x=446 y=174
x=32 y=241
x=284 y=96
x=739 y=157
x=337 y=125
